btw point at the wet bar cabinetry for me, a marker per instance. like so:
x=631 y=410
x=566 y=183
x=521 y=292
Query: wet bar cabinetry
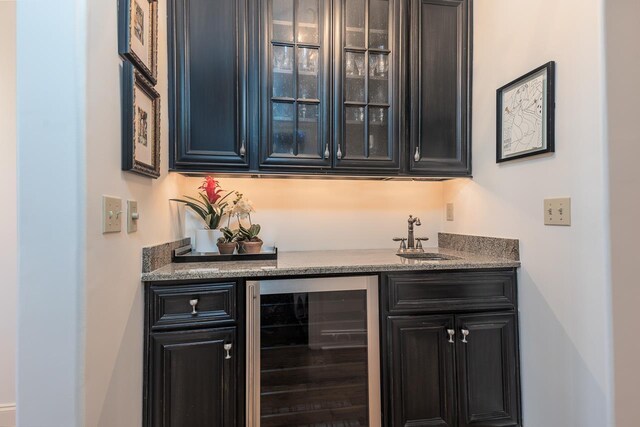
x=447 y=341
x=362 y=88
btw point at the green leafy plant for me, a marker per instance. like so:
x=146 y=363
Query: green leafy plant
x=212 y=205
x=249 y=234
x=228 y=235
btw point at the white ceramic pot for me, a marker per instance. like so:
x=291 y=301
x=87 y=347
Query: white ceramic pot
x=206 y=240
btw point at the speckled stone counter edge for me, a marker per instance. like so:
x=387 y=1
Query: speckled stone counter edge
x=154 y=257
x=488 y=246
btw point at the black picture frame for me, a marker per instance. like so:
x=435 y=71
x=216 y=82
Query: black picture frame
x=128 y=48
x=132 y=121
x=546 y=119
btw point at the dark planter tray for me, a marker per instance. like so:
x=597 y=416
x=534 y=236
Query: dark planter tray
x=187 y=254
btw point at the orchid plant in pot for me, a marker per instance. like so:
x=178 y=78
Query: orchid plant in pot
x=227 y=242
x=211 y=206
x=247 y=237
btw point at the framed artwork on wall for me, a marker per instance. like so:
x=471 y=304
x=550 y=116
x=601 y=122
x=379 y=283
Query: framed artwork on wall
x=138 y=35
x=526 y=115
x=140 y=123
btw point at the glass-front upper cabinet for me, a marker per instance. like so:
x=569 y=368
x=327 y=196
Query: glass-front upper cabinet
x=366 y=113
x=294 y=84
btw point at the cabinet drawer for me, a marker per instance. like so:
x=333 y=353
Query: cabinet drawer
x=203 y=304
x=446 y=292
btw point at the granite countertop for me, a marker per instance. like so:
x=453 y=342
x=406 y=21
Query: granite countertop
x=331 y=262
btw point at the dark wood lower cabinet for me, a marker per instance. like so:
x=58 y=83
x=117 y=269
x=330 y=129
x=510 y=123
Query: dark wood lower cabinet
x=422 y=360
x=488 y=380
x=456 y=369
x=194 y=383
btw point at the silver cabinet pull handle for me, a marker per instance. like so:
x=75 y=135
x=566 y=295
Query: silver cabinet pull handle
x=227 y=348
x=339 y=153
x=326 y=151
x=243 y=149
x=194 y=303
x=451 y=333
x=416 y=156
x=465 y=334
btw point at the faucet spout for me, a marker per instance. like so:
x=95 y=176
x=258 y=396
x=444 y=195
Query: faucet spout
x=410 y=239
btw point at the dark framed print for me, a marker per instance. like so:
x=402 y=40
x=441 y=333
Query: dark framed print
x=138 y=35
x=526 y=115
x=140 y=123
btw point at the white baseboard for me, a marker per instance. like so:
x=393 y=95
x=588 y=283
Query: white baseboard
x=7 y=415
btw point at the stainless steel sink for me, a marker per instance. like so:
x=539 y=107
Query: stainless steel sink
x=426 y=256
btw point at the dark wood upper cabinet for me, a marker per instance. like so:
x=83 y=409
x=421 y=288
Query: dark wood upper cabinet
x=440 y=85
x=488 y=371
x=192 y=380
x=376 y=88
x=367 y=105
x=207 y=85
x=295 y=74
x=422 y=360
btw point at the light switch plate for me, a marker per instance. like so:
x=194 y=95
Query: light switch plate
x=132 y=216
x=111 y=214
x=449 y=211
x=557 y=211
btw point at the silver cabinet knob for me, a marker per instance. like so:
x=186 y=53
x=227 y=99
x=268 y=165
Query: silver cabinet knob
x=327 y=153
x=416 y=156
x=465 y=334
x=243 y=148
x=227 y=348
x=339 y=153
x=452 y=333
x=193 y=303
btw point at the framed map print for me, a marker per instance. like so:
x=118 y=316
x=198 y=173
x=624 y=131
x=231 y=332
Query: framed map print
x=140 y=123
x=526 y=114
x=138 y=35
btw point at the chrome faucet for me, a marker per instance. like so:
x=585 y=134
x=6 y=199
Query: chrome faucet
x=410 y=240
x=411 y=245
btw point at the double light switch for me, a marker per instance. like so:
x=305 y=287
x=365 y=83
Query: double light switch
x=557 y=211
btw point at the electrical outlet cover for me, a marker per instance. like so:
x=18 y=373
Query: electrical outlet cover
x=111 y=214
x=557 y=211
x=449 y=211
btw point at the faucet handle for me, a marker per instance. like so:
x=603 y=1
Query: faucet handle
x=419 y=243
x=403 y=245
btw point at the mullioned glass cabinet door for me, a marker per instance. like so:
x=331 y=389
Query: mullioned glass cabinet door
x=294 y=84
x=366 y=88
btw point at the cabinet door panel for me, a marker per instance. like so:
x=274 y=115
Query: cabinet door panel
x=294 y=98
x=207 y=84
x=439 y=68
x=488 y=370
x=421 y=371
x=367 y=97
x=192 y=383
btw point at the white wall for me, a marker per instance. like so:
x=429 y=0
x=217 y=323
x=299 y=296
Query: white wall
x=563 y=283
x=304 y=214
x=114 y=306
x=51 y=138
x=623 y=89
x=8 y=218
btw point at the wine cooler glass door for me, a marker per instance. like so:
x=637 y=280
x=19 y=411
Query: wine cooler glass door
x=313 y=353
